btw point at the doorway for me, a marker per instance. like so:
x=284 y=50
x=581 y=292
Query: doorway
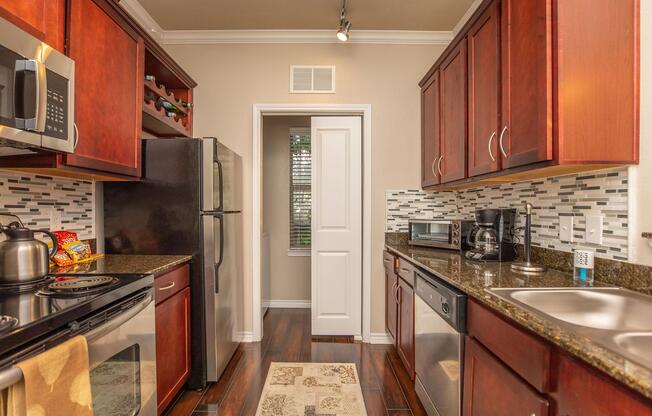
x=263 y=240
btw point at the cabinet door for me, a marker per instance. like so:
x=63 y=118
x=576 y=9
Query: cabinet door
x=491 y=389
x=390 y=302
x=109 y=68
x=526 y=133
x=453 y=114
x=584 y=391
x=430 y=124
x=44 y=19
x=405 y=339
x=484 y=82
x=172 y=346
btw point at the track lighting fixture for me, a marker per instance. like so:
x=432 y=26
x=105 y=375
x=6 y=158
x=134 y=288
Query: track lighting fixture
x=345 y=25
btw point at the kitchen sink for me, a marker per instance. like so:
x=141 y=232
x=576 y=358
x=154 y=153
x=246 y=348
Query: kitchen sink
x=601 y=308
x=638 y=344
x=615 y=318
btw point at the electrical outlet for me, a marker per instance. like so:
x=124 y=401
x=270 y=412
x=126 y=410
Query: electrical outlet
x=55 y=219
x=594 y=228
x=566 y=228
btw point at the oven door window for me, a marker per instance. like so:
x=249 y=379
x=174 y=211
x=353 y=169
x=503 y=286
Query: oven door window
x=435 y=232
x=115 y=384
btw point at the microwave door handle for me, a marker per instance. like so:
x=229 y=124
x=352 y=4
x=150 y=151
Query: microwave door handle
x=30 y=74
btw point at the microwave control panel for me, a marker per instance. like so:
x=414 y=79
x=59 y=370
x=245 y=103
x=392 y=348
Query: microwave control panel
x=56 y=119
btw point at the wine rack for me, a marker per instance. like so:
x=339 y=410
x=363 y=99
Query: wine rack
x=161 y=81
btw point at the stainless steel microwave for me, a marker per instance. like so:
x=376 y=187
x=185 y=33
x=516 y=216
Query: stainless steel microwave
x=37 y=94
x=451 y=234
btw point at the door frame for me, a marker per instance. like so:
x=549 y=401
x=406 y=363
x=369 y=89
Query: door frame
x=260 y=110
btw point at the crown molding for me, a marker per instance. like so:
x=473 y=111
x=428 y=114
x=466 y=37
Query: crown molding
x=188 y=37
x=143 y=18
x=466 y=16
x=396 y=37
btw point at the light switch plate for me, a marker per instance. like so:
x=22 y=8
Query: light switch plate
x=594 y=228
x=566 y=228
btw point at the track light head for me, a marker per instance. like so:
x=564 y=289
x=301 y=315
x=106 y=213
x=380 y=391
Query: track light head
x=345 y=25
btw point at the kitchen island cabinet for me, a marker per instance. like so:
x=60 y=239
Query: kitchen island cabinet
x=172 y=296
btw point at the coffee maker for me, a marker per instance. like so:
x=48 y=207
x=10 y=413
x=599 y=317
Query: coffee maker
x=492 y=235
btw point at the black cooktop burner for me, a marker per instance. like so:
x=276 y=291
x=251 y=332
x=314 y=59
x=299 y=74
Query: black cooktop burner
x=10 y=288
x=7 y=322
x=74 y=286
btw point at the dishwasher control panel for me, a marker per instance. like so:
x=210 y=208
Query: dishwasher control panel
x=447 y=301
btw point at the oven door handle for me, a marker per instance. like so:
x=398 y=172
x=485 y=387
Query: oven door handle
x=118 y=321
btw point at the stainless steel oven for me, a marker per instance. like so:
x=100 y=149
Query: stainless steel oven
x=37 y=94
x=451 y=234
x=122 y=356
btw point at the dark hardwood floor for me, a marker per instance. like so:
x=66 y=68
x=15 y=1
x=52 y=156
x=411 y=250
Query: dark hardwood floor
x=386 y=386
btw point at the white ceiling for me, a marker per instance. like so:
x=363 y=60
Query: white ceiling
x=430 y=15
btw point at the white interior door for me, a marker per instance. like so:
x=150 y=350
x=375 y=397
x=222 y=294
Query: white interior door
x=336 y=269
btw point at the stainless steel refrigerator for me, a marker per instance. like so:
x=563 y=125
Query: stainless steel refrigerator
x=189 y=202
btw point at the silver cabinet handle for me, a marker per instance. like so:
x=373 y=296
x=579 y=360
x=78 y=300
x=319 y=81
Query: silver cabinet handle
x=441 y=158
x=167 y=287
x=491 y=139
x=76 y=139
x=500 y=142
x=432 y=167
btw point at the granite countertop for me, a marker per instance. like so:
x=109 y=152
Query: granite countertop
x=474 y=278
x=125 y=264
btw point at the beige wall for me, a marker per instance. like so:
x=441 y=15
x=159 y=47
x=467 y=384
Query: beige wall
x=289 y=275
x=640 y=177
x=233 y=77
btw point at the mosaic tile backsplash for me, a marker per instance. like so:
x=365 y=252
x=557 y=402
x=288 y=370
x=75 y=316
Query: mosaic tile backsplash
x=601 y=192
x=32 y=197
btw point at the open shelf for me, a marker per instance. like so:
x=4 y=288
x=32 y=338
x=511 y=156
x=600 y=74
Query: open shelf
x=157 y=123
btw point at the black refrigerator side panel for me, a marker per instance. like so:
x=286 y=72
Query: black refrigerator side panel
x=160 y=215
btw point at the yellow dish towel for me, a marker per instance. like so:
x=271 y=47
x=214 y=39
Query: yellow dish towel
x=55 y=383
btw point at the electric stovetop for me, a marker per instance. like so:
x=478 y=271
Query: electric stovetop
x=28 y=312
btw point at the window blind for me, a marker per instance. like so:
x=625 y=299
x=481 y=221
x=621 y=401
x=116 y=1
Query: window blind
x=300 y=188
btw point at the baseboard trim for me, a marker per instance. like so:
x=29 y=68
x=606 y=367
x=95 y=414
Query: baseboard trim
x=246 y=336
x=281 y=303
x=380 y=338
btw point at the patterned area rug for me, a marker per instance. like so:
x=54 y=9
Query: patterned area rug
x=311 y=389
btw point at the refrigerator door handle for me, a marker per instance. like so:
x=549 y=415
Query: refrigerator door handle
x=220 y=217
x=220 y=173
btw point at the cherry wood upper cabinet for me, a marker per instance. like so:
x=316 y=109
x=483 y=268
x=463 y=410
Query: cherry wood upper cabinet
x=430 y=125
x=484 y=84
x=44 y=19
x=405 y=336
x=526 y=133
x=597 y=80
x=452 y=165
x=109 y=59
x=490 y=388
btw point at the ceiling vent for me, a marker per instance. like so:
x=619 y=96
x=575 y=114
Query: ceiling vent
x=306 y=79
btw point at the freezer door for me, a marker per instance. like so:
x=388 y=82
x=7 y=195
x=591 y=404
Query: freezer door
x=222 y=177
x=223 y=287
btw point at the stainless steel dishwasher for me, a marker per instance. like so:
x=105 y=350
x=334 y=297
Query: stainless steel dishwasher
x=440 y=324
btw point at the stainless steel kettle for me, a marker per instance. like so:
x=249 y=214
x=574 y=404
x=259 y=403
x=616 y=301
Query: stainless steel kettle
x=24 y=259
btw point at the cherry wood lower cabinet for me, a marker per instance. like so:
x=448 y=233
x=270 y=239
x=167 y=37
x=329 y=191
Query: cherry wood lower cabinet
x=492 y=389
x=44 y=19
x=511 y=371
x=405 y=336
x=172 y=334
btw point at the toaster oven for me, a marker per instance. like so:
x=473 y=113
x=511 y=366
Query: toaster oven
x=450 y=234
